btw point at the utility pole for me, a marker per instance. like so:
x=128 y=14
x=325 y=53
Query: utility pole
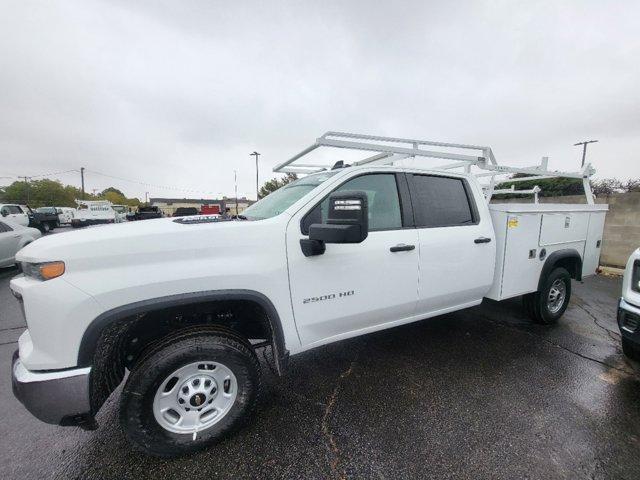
x=82 y=180
x=235 y=181
x=256 y=154
x=584 y=148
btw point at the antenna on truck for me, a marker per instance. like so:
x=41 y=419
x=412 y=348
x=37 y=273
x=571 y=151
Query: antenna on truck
x=387 y=150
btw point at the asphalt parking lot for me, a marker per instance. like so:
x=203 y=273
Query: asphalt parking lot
x=480 y=393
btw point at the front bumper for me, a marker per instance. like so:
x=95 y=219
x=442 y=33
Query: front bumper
x=629 y=321
x=59 y=397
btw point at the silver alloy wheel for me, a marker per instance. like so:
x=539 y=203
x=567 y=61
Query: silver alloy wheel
x=557 y=294
x=195 y=397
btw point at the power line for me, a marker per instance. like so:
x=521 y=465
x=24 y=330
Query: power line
x=42 y=174
x=146 y=184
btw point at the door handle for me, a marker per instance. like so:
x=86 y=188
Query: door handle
x=402 y=248
x=482 y=240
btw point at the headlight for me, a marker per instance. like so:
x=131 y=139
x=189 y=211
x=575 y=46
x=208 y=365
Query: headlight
x=43 y=271
x=635 y=276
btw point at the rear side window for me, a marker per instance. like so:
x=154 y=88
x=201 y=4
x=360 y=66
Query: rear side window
x=441 y=202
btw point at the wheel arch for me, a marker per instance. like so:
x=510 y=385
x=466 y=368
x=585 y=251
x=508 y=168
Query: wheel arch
x=92 y=334
x=568 y=258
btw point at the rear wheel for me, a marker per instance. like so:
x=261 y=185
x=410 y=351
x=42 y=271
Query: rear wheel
x=630 y=349
x=189 y=391
x=549 y=304
x=45 y=227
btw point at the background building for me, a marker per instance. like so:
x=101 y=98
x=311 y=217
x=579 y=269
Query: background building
x=169 y=205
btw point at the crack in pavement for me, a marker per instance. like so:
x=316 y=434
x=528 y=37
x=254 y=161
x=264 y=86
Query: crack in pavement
x=586 y=357
x=615 y=336
x=326 y=431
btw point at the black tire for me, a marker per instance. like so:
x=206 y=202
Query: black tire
x=536 y=304
x=630 y=349
x=183 y=348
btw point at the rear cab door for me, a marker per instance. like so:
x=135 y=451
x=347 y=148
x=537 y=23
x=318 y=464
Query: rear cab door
x=354 y=288
x=456 y=241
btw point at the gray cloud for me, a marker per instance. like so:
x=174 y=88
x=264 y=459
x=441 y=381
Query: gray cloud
x=179 y=93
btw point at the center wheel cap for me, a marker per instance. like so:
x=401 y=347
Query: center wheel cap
x=197 y=400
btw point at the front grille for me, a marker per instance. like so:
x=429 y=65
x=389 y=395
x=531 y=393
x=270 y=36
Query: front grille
x=630 y=321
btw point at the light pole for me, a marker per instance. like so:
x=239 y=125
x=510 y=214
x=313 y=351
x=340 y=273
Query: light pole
x=584 y=148
x=235 y=182
x=256 y=154
x=82 y=181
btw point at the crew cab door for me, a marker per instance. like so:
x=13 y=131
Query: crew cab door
x=352 y=287
x=456 y=242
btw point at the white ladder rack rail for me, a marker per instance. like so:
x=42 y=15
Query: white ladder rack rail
x=394 y=149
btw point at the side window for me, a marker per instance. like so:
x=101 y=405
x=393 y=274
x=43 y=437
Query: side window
x=12 y=209
x=382 y=198
x=441 y=202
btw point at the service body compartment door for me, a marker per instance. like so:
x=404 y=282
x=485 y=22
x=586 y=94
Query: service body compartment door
x=521 y=263
x=567 y=227
x=593 y=245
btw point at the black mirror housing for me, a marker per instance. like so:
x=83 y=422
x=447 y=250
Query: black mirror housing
x=347 y=219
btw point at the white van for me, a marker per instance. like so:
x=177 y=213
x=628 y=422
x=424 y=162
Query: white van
x=93 y=212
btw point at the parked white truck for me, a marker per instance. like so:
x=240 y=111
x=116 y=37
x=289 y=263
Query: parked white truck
x=184 y=304
x=629 y=308
x=94 y=212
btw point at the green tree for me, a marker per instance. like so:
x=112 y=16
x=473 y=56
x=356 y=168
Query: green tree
x=551 y=187
x=274 y=184
x=51 y=193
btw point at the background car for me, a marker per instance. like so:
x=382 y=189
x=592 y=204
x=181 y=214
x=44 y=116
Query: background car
x=629 y=308
x=12 y=238
x=146 y=213
x=186 y=211
x=14 y=213
x=65 y=215
x=44 y=219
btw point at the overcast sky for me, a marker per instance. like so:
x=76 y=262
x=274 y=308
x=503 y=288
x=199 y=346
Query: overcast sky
x=179 y=93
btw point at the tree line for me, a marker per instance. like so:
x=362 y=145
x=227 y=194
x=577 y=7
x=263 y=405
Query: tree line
x=52 y=193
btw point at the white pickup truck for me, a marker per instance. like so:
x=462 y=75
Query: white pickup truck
x=184 y=304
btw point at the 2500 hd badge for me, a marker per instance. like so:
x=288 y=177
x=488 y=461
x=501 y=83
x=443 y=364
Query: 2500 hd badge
x=330 y=296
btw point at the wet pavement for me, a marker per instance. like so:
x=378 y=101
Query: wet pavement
x=480 y=393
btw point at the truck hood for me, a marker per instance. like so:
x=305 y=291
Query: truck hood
x=143 y=239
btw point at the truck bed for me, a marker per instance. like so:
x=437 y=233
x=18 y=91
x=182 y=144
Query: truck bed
x=527 y=233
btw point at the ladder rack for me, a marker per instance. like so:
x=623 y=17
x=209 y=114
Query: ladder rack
x=387 y=150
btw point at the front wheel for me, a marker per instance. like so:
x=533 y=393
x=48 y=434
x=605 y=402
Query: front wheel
x=45 y=227
x=189 y=391
x=549 y=304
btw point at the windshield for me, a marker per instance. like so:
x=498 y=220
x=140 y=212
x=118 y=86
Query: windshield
x=278 y=201
x=119 y=208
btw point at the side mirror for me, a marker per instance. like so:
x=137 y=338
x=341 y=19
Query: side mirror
x=347 y=222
